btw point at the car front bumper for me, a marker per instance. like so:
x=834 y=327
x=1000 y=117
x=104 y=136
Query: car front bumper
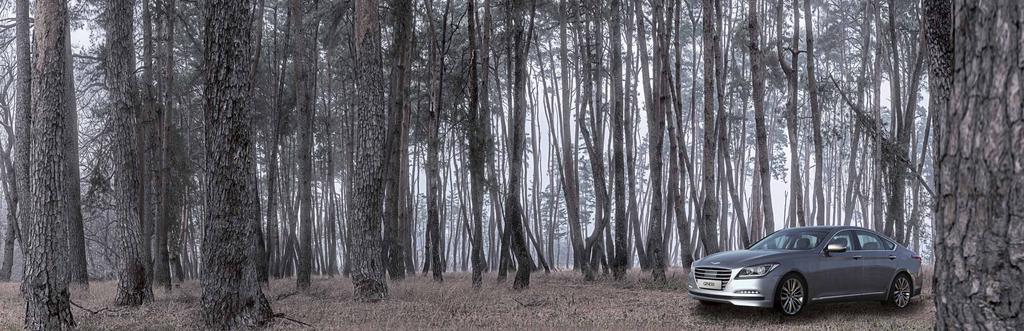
x=739 y=292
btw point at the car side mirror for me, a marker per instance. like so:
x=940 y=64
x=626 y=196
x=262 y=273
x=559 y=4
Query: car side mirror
x=834 y=248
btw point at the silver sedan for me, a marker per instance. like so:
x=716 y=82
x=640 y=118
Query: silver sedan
x=794 y=267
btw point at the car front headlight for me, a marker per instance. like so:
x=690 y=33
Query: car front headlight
x=756 y=271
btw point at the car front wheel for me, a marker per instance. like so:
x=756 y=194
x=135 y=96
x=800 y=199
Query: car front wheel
x=791 y=296
x=901 y=291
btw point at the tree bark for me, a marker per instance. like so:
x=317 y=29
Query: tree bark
x=760 y=128
x=521 y=37
x=45 y=286
x=656 y=132
x=401 y=57
x=304 y=59
x=260 y=254
x=628 y=123
x=12 y=227
x=979 y=231
x=133 y=288
x=796 y=209
x=854 y=181
x=897 y=173
x=812 y=92
x=618 y=135
x=144 y=138
x=593 y=138
x=485 y=108
x=161 y=266
x=479 y=133
x=23 y=136
x=77 y=263
x=435 y=193
x=231 y=295
x=274 y=251
x=365 y=204
x=570 y=182
x=709 y=213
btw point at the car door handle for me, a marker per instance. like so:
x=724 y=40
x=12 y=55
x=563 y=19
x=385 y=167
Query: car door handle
x=892 y=257
x=857 y=257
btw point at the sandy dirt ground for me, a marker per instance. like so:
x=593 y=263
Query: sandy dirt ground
x=560 y=300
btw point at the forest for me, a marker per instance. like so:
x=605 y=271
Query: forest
x=229 y=164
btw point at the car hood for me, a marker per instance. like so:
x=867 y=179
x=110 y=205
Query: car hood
x=743 y=258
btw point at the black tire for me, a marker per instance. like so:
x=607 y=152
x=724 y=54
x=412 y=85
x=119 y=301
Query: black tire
x=900 y=291
x=791 y=295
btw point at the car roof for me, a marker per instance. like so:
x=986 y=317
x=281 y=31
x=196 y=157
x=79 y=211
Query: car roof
x=825 y=227
x=836 y=228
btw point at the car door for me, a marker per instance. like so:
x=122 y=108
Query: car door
x=879 y=262
x=839 y=273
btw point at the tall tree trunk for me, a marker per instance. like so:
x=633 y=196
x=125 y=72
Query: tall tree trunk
x=721 y=128
x=628 y=124
x=304 y=54
x=275 y=258
x=47 y=299
x=978 y=214
x=485 y=108
x=133 y=288
x=618 y=135
x=676 y=196
x=479 y=132
x=231 y=296
x=77 y=264
x=435 y=193
x=760 y=128
x=12 y=225
x=593 y=137
x=656 y=132
x=401 y=57
x=877 y=199
x=896 y=178
x=570 y=182
x=255 y=217
x=679 y=158
x=521 y=37
x=365 y=203
x=23 y=136
x=854 y=181
x=812 y=92
x=709 y=214
x=144 y=119
x=796 y=210
x=161 y=268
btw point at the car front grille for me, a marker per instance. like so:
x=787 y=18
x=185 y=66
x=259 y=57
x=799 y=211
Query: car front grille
x=721 y=274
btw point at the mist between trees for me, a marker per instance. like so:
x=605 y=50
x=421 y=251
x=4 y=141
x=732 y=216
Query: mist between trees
x=233 y=142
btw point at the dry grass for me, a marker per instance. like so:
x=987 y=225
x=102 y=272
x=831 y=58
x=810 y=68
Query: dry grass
x=557 y=301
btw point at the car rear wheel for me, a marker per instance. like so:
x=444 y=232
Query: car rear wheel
x=900 y=293
x=791 y=296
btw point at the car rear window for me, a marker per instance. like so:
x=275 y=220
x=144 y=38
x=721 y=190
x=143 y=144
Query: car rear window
x=871 y=242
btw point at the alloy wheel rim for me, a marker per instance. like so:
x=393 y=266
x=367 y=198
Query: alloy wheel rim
x=792 y=296
x=901 y=293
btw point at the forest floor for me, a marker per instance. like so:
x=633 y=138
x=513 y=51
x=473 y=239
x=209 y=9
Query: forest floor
x=558 y=300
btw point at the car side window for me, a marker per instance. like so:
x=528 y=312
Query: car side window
x=870 y=242
x=806 y=241
x=888 y=245
x=844 y=238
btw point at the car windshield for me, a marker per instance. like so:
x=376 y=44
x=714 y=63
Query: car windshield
x=796 y=239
